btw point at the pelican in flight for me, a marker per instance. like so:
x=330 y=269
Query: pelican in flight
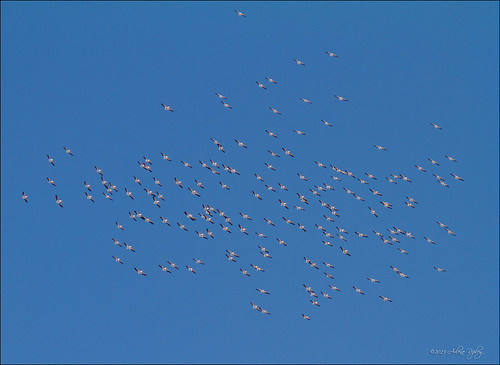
x=140 y=272
x=59 y=201
x=240 y=13
x=436 y=126
x=261 y=85
x=439 y=269
x=331 y=54
x=220 y=96
x=299 y=62
x=271 y=80
x=275 y=111
x=167 y=108
x=385 y=298
x=68 y=151
x=341 y=98
x=25 y=197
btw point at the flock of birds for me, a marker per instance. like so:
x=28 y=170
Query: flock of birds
x=210 y=214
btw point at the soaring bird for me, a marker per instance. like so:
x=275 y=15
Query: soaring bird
x=439 y=269
x=331 y=54
x=275 y=111
x=326 y=123
x=261 y=85
x=436 y=126
x=59 y=201
x=68 y=151
x=240 y=13
x=25 y=197
x=167 y=108
x=117 y=259
x=299 y=62
x=271 y=80
x=220 y=96
x=358 y=290
x=306 y=101
x=51 y=160
x=341 y=98
x=385 y=298
x=140 y=272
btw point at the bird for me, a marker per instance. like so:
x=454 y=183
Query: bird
x=59 y=201
x=429 y=240
x=256 y=307
x=51 y=182
x=128 y=247
x=345 y=251
x=420 y=168
x=89 y=197
x=299 y=132
x=402 y=251
x=436 y=126
x=341 y=98
x=373 y=212
x=117 y=259
x=240 y=13
x=313 y=302
x=439 y=269
x=220 y=96
x=167 y=108
x=456 y=177
x=51 y=160
x=334 y=287
x=67 y=151
x=358 y=290
x=165 y=269
x=25 y=197
x=271 y=134
x=265 y=311
x=269 y=166
x=241 y=144
x=261 y=85
x=274 y=111
x=331 y=54
x=119 y=226
x=178 y=182
x=223 y=186
x=172 y=264
x=305 y=317
x=326 y=123
x=299 y=62
x=165 y=157
x=306 y=101
x=386 y=204
x=198 y=261
x=380 y=148
x=433 y=162
x=244 y=272
x=190 y=269
x=288 y=153
x=385 y=298
x=226 y=105
x=140 y=272
x=137 y=180
x=257 y=267
x=281 y=242
x=271 y=80
x=373 y=280
x=256 y=195
x=361 y=235
x=450 y=158
x=262 y=291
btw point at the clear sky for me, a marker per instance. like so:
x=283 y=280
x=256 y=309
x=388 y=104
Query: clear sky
x=91 y=76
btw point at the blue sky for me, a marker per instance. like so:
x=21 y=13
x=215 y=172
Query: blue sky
x=91 y=76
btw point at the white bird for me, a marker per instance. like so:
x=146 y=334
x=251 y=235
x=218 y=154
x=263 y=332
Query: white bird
x=299 y=132
x=275 y=111
x=256 y=307
x=271 y=80
x=271 y=134
x=358 y=290
x=331 y=54
x=128 y=247
x=191 y=269
x=305 y=317
x=167 y=108
x=385 y=298
x=380 y=148
x=261 y=85
x=51 y=182
x=436 y=126
x=117 y=259
x=226 y=105
x=240 y=13
x=345 y=251
x=341 y=98
x=220 y=96
x=439 y=269
x=59 y=201
x=373 y=280
x=299 y=62
x=163 y=268
x=326 y=123
x=456 y=177
x=306 y=101
x=420 y=168
x=140 y=272
x=25 y=197
x=67 y=151
x=450 y=158
x=51 y=160
x=262 y=291
x=89 y=197
x=165 y=157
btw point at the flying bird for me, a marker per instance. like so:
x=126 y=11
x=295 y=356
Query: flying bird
x=167 y=108
x=299 y=62
x=341 y=98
